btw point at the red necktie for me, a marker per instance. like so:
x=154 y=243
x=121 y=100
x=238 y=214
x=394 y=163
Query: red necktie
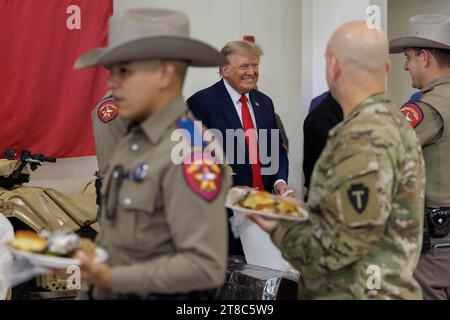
x=252 y=145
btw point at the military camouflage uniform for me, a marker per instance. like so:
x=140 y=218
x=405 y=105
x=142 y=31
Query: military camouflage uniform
x=284 y=137
x=430 y=115
x=366 y=210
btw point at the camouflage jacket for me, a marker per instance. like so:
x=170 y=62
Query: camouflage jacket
x=364 y=235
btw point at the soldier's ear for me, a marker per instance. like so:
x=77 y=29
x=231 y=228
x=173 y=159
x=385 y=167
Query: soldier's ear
x=422 y=57
x=388 y=66
x=168 y=74
x=335 y=69
x=427 y=58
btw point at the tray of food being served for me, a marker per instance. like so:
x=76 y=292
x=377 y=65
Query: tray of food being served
x=53 y=250
x=249 y=201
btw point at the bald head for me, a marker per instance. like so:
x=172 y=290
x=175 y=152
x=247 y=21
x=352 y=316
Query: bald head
x=359 y=49
x=357 y=63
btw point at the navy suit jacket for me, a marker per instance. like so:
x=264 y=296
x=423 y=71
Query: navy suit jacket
x=214 y=107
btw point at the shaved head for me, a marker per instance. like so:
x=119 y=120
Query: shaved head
x=357 y=59
x=359 y=48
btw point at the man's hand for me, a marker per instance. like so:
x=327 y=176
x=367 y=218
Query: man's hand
x=282 y=189
x=95 y=273
x=268 y=225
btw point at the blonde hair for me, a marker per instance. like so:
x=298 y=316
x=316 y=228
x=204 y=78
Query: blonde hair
x=241 y=46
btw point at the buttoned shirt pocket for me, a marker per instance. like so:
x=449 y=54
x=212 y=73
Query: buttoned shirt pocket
x=354 y=189
x=139 y=219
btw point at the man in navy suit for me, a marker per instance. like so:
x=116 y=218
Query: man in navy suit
x=234 y=103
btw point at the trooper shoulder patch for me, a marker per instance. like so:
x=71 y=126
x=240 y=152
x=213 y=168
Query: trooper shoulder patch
x=202 y=175
x=413 y=114
x=107 y=111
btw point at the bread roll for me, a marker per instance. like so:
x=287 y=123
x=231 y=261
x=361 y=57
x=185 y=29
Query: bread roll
x=29 y=241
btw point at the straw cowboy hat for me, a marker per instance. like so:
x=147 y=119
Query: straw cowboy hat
x=425 y=31
x=151 y=34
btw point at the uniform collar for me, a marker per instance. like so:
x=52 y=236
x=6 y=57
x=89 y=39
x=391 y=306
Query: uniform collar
x=156 y=126
x=370 y=100
x=436 y=82
x=235 y=96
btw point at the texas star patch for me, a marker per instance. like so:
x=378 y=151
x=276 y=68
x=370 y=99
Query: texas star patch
x=107 y=111
x=202 y=175
x=413 y=114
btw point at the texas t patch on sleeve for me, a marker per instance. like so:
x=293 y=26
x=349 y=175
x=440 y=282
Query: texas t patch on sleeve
x=359 y=201
x=358 y=195
x=356 y=188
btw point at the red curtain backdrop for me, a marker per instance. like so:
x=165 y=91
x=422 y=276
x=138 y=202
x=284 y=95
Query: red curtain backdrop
x=45 y=104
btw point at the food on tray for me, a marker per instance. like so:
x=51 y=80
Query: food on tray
x=259 y=201
x=29 y=241
x=286 y=207
x=267 y=202
x=53 y=244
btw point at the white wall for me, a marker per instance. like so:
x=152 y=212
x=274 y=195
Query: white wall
x=326 y=17
x=320 y=19
x=399 y=11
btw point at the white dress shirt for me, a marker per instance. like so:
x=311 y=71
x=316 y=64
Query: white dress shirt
x=235 y=97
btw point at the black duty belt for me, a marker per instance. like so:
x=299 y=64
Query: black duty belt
x=436 y=225
x=438 y=221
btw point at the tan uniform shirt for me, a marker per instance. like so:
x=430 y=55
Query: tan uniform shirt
x=430 y=117
x=435 y=140
x=161 y=234
x=109 y=128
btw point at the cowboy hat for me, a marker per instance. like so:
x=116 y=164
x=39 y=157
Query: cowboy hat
x=148 y=33
x=425 y=31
